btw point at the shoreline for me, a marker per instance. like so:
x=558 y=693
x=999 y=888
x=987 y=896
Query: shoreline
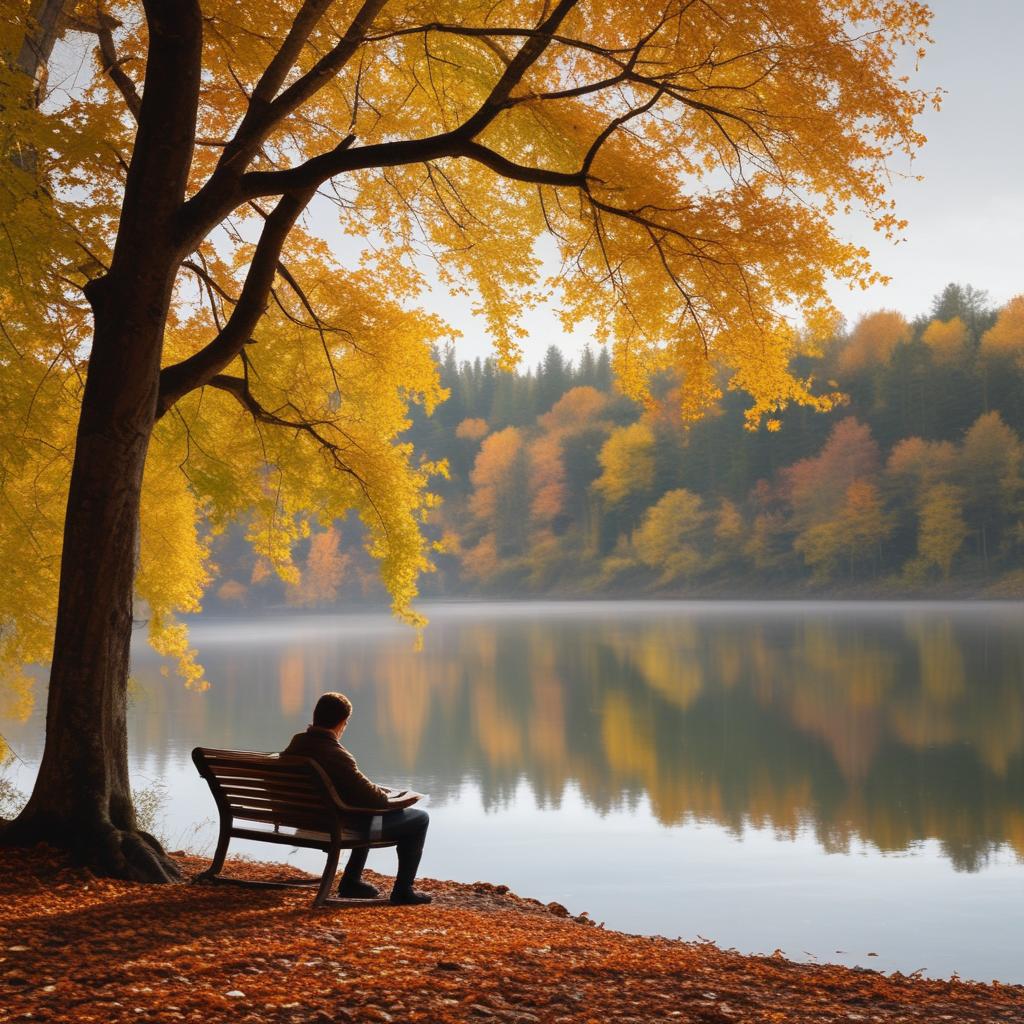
x=432 y=606
x=862 y=596
x=80 y=948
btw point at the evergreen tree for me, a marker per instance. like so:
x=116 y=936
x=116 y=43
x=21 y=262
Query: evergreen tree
x=586 y=372
x=553 y=379
x=603 y=370
x=970 y=304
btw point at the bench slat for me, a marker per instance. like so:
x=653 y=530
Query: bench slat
x=303 y=783
x=302 y=788
x=310 y=841
x=257 y=756
x=288 y=799
x=280 y=792
x=244 y=772
x=287 y=819
x=299 y=807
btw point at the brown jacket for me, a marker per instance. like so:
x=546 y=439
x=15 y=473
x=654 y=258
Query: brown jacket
x=354 y=788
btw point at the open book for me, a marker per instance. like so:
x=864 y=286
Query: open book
x=399 y=798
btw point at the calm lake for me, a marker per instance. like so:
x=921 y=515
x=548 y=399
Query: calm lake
x=840 y=781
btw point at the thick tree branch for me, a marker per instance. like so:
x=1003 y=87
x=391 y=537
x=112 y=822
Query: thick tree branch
x=270 y=82
x=267 y=108
x=180 y=378
x=221 y=194
x=316 y=171
x=113 y=66
x=239 y=388
x=228 y=187
x=528 y=54
x=43 y=24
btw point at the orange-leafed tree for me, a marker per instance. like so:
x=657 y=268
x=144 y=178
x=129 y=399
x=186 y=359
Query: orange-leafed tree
x=947 y=341
x=825 y=493
x=914 y=463
x=1004 y=340
x=577 y=409
x=913 y=466
x=816 y=486
x=578 y=421
x=322 y=575
x=481 y=561
x=872 y=341
x=547 y=480
x=500 y=500
x=472 y=429
x=1001 y=354
x=864 y=523
x=156 y=216
x=853 y=536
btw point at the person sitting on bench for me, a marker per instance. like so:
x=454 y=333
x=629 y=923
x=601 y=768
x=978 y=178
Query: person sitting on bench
x=321 y=743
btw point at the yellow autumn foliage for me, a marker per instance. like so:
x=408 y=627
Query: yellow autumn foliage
x=1005 y=338
x=627 y=463
x=947 y=340
x=667 y=149
x=873 y=340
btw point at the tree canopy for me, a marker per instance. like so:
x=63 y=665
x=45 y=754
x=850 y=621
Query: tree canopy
x=671 y=152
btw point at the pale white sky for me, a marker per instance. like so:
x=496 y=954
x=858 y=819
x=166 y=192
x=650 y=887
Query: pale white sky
x=966 y=216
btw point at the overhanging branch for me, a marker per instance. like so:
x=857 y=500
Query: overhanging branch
x=180 y=378
x=238 y=387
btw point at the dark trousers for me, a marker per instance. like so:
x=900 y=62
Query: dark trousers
x=409 y=827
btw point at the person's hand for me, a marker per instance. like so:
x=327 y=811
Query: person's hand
x=399 y=798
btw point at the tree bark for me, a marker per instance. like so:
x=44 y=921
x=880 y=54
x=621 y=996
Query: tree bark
x=82 y=798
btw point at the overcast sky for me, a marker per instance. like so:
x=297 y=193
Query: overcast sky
x=966 y=217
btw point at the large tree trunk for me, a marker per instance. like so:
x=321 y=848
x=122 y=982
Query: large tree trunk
x=82 y=799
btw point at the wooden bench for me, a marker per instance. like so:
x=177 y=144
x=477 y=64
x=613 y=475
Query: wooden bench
x=283 y=792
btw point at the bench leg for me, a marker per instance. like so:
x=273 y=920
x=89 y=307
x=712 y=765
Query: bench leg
x=218 y=856
x=327 y=881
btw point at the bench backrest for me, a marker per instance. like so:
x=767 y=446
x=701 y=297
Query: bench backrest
x=292 y=792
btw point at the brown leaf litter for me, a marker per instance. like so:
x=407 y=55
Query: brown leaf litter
x=77 y=948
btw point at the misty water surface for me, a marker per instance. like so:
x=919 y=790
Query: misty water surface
x=833 y=780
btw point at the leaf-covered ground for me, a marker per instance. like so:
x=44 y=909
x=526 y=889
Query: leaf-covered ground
x=74 y=947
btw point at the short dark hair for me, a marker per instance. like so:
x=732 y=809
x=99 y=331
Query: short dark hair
x=331 y=710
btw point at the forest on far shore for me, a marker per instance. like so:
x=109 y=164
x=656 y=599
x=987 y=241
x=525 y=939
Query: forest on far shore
x=560 y=486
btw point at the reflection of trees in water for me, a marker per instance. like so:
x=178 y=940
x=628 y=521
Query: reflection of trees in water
x=887 y=730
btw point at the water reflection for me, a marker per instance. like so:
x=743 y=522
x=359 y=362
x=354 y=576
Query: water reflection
x=884 y=725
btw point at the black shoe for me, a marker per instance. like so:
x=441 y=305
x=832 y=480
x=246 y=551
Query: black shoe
x=358 y=891
x=409 y=897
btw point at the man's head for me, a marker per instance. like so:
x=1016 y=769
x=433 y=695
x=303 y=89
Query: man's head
x=332 y=711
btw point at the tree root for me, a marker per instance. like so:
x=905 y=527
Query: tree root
x=102 y=847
